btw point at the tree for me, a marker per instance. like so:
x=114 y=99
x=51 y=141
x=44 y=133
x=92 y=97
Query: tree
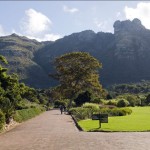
x=76 y=72
x=82 y=98
x=10 y=91
x=122 y=103
x=147 y=100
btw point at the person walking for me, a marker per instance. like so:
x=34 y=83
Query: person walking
x=61 y=108
x=64 y=109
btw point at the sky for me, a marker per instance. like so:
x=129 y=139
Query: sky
x=51 y=20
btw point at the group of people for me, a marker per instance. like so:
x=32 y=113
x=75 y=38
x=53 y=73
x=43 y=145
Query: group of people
x=62 y=109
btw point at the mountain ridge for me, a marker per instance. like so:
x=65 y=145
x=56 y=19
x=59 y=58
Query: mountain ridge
x=125 y=55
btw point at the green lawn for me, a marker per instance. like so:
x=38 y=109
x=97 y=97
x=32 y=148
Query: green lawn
x=139 y=120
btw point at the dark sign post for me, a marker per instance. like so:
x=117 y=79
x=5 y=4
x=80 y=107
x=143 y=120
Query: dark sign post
x=103 y=118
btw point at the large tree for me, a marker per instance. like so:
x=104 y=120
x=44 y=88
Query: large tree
x=77 y=72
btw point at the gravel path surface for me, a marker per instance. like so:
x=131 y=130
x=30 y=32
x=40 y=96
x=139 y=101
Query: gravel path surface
x=53 y=131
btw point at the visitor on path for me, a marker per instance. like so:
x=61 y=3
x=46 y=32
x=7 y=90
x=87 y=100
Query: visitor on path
x=64 y=109
x=61 y=108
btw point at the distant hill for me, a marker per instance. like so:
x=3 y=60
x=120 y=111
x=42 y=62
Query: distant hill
x=125 y=55
x=19 y=52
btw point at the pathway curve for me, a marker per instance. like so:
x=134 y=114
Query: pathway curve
x=53 y=131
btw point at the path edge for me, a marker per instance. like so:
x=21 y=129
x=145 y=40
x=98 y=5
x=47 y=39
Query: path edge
x=76 y=123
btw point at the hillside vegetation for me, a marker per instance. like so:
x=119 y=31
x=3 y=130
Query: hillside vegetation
x=20 y=51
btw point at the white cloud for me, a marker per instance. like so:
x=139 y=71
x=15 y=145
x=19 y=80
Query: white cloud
x=2 y=32
x=46 y=37
x=35 y=23
x=18 y=33
x=69 y=10
x=118 y=14
x=103 y=25
x=100 y=24
x=142 y=12
x=51 y=37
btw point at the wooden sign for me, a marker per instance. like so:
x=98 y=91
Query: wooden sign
x=103 y=118
x=95 y=117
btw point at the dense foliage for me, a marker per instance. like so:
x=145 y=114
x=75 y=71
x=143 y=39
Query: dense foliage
x=2 y=120
x=147 y=100
x=117 y=111
x=88 y=109
x=16 y=96
x=122 y=103
x=140 y=87
x=82 y=98
x=63 y=102
x=76 y=72
x=25 y=114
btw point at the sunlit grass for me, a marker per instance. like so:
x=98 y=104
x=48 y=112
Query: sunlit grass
x=139 y=120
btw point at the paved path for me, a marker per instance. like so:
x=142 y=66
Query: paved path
x=52 y=131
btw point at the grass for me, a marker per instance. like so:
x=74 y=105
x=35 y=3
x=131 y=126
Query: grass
x=139 y=120
x=25 y=114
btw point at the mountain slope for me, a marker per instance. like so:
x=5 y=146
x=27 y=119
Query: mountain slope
x=19 y=52
x=86 y=41
x=125 y=55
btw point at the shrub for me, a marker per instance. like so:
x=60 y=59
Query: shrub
x=112 y=102
x=122 y=103
x=32 y=106
x=58 y=103
x=116 y=111
x=19 y=107
x=79 y=113
x=147 y=100
x=25 y=114
x=91 y=106
x=97 y=101
x=133 y=100
x=127 y=110
x=109 y=96
x=121 y=111
x=82 y=98
x=67 y=102
x=2 y=120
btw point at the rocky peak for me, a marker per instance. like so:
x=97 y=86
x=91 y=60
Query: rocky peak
x=132 y=39
x=14 y=35
x=86 y=35
x=128 y=26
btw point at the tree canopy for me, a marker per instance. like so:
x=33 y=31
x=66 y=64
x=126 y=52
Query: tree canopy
x=76 y=72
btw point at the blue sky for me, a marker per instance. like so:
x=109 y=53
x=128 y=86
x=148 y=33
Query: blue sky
x=50 y=20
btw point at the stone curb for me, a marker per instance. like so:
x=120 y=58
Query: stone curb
x=77 y=125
